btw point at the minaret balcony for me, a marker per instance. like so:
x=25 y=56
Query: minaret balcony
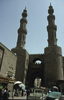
x=54 y=27
x=22 y=30
x=50 y=17
x=23 y=20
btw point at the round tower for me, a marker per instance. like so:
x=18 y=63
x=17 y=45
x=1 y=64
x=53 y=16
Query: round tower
x=53 y=61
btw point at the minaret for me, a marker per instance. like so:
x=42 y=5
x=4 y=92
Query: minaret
x=51 y=28
x=53 y=61
x=22 y=31
x=20 y=51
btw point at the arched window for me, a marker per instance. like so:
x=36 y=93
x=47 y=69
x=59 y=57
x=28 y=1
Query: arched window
x=38 y=62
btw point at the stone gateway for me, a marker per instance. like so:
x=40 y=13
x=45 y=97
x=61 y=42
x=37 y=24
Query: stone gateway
x=51 y=68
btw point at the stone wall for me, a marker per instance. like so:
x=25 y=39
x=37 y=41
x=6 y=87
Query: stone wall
x=63 y=67
x=22 y=65
x=8 y=62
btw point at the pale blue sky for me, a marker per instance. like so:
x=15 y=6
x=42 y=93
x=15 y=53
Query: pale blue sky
x=36 y=39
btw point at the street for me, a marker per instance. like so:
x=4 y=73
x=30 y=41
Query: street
x=20 y=97
x=31 y=94
x=24 y=97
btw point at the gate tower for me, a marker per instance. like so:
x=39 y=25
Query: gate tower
x=22 y=54
x=53 y=61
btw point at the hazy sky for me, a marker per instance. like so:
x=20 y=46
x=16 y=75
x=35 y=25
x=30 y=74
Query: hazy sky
x=36 y=38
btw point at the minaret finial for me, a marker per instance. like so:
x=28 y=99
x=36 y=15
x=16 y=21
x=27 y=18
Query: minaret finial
x=51 y=10
x=50 y=3
x=24 y=14
x=25 y=7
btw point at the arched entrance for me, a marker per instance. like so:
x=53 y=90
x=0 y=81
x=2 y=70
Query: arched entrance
x=35 y=69
x=33 y=76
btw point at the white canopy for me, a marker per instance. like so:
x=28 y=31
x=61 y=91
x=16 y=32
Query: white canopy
x=55 y=87
x=21 y=85
x=17 y=82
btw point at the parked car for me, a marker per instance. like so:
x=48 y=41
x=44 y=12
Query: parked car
x=38 y=94
x=53 y=96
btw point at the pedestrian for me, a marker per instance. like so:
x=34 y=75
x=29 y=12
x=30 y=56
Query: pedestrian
x=28 y=92
x=22 y=92
x=0 y=94
x=12 y=94
x=6 y=95
x=9 y=93
x=17 y=92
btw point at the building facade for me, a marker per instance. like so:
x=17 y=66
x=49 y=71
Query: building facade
x=51 y=68
x=7 y=67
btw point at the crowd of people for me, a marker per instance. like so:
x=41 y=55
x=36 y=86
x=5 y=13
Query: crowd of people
x=4 y=94
x=21 y=92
